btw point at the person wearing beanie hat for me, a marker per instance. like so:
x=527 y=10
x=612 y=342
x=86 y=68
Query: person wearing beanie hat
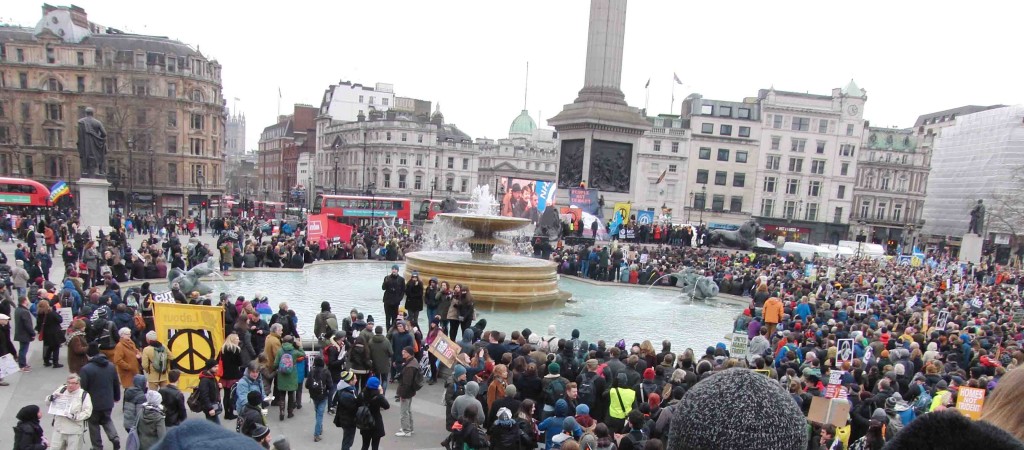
x=260 y=434
x=553 y=387
x=453 y=392
x=155 y=362
x=555 y=423
x=508 y=401
x=569 y=427
x=374 y=399
x=414 y=297
x=325 y=324
x=281 y=443
x=198 y=434
x=394 y=291
x=583 y=417
x=947 y=430
x=737 y=408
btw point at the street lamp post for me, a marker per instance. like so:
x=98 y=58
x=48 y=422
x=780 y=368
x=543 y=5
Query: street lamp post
x=131 y=173
x=690 y=210
x=202 y=203
x=373 y=200
x=335 y=174
x=703 y=202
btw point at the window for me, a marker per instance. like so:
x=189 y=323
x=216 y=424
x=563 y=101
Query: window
x=725 y=130
x=705 y=153
x=140 y=88
x=371 y=99
x=54 y=137
x=849 y=129
x=5 y=138
x=844 y=169
x=417 y=182
x=196 y=146
x=387 y=180
x=838 y=217
x=741 y=156
x=704 y=109
x=172 y=119
x=789 y=209
x=720 y=177
x=384 y=101
x=172 y=173
x=885 y=183
x=743 y=113
x=772 y=162
x=465 y=163
x=769 y=184
x=670 y=190
x=796 y=164
x=897 y=212
x=52 y=84
x=818 y=166
x=419 y=161
x=777 y=122
x=463 y=184
x=388 y=137
x=401 y=181
x=451 y=162
x=110 y=85
x=880 y=211
x=723 y=154
x=820 y=147
x=419 y=139
x=675 y=147
x=449 y=184
x=744 y=132
x=50 y=58
x=401 y=159
x=814 y=188
x=699 y=201
x=404 y=135
x=20 y=53
x=702 y=176
x=671 y=168
x=736 y=204
x=172 y=144
x=387 y=158
x=29 y=166
x=801 y=124
x=23 y=80
x=360 y=99
x=707 y=128
x=725 y=111
x=797 y=145
x=652 y=190
x=812 y=212
x=657 y=146
x=823 y=126
x=140 y=118
x=197 y=95
x=792 y=186
x=776 y=140
x=739 y=179
x=140 y=61
x=26 y=135
x=865 y=209
x=196 y=121
x=54 y=111
x=717 y=202
x=767 y=207
x=26 y=110
x=81 y=83
x=842 y=192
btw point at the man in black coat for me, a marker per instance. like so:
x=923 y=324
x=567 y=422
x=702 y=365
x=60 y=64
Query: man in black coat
x=394 y=290
x=24 y=332
x=99 y=379
x=173 y=402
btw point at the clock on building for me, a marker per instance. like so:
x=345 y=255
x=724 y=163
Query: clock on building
x=853 y=110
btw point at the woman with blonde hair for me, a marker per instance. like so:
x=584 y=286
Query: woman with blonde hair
x=230 y=371
x=49 y=331
x=648 y=353
x=1002 y=407
x=126 y=357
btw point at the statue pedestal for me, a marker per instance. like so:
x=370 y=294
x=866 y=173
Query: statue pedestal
x=970 y=248
x=94 y=205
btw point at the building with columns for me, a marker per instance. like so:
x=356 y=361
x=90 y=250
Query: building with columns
x=528 y=153
x=160 y=101
x=725 y=140
x=808 y=163
x=888 y=197
x=662 y=151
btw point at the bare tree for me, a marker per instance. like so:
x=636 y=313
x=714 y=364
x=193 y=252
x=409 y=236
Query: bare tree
x=134 y=122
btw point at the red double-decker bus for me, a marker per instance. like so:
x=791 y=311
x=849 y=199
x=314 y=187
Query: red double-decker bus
x=432 y=207
x=23 y=192
x=355 y=209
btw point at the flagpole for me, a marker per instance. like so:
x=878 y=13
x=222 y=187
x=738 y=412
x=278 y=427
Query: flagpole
x=672 y=106
x=647 y=95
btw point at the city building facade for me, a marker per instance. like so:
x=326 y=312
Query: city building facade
x=725 y=140
x=808 y=163
x=662 y=151
x=159 y=99
x=279 y=148
x=888 y=197
x=528 y=154
x=346 y=100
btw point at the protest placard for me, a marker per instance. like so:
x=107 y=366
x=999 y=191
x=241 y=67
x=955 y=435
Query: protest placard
x=444 y=349
x=969 y=401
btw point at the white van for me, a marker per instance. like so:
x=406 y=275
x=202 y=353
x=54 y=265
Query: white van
x=806 y=251
x=866 y=248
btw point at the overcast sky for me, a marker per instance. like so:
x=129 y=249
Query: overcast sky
x=910 y=57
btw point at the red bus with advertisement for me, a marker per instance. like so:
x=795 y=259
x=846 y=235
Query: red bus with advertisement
x=23 y=192
x=267 y=210
x=357 y=209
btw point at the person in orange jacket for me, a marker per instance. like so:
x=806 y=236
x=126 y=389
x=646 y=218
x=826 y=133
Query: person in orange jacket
x=772 y=314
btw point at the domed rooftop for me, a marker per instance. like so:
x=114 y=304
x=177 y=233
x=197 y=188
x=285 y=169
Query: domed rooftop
x=523 y=124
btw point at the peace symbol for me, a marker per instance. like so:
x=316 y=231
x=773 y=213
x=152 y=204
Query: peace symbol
x=192 y=358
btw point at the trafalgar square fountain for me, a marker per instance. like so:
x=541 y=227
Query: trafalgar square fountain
x=497 y=281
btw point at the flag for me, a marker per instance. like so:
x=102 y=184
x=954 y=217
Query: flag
x=238 y=99
x=193 y=335
x=58 y=190
x=676 y=77
x=662 y=177
x=279 y=91
x=648 y=84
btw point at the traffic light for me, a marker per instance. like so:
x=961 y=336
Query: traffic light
x=202 y=204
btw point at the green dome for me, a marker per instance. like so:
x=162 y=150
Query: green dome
x=523 y=124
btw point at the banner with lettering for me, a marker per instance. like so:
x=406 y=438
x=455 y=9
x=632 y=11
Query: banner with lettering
x=193 y=335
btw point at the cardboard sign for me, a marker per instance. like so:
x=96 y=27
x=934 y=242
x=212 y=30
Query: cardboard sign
x=845 y=353
x=969 y=401
x=861 y=305
x=940 y=322
x=164 y=297
x=829 y=411
x=831 y=273
x=1018 y=316
x=835 y=389
x=444 y=349
x=8 y=366
x=977 y=303
x=739 y=345
x=65 y=318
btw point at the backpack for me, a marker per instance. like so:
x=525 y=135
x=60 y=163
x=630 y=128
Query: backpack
x=315 y=385
x=286 y=364
x=923 y=401
x=159 y=362
x=193 y=403
x=554 y=392
x=65 y=299
x=364 y=418
x=637 y=443
x=586 y=389
x=417 y=381
x=332 y=326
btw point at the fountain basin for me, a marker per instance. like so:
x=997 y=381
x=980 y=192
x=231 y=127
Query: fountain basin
x=503 y=282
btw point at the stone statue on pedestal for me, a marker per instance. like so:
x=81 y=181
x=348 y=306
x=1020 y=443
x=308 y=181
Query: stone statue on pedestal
x=977 y=224
x=92 y=146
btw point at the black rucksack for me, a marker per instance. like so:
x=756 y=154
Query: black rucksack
x=364 y=418
x=554 y=392
x=586 y=389
x=316 y=386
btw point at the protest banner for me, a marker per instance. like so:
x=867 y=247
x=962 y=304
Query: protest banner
x=969 y=401
x=193 y=335
x=739 y=345
x=845 y=353
x=444 y=349
x=861 y=304
x=940 y=322
x=65 y=317
x=829 y=411
x=8 y=366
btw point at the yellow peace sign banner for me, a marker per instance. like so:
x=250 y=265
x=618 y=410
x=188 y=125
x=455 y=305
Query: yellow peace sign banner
x=193 y=335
